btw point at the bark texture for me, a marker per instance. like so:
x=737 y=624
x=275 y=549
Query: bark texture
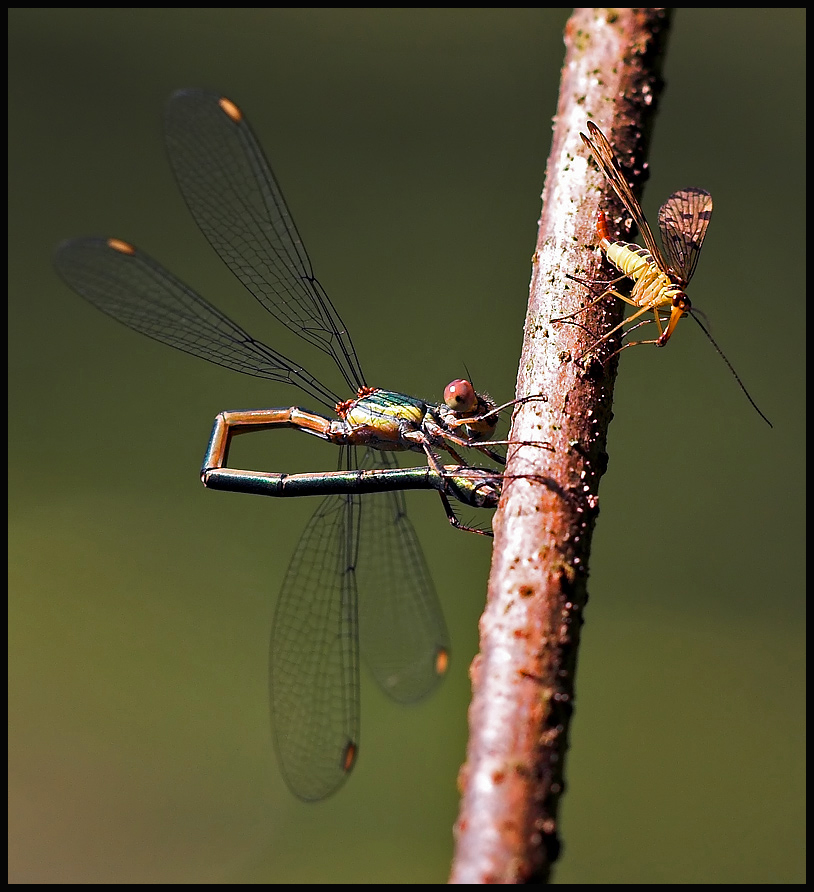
x=524 y=676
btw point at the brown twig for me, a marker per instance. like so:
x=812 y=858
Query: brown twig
x=523 y=679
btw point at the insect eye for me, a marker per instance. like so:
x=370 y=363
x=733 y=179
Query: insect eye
x=460 y=395
x=681 y=301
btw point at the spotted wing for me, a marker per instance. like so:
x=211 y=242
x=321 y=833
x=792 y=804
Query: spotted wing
x=358 y=573
x=683 y=222
x=134 y=289
x=314 y=655
x=404 y=638
x=236 y=201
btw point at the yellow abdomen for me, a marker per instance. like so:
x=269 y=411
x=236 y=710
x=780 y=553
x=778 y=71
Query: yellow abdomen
x=631 y=260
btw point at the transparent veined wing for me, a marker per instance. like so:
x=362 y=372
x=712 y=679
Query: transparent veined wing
x=137 y=291
x=404 y=639
x=237 y=203
x=358 y=574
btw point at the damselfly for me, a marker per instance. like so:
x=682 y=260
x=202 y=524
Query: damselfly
x=658 y=285
x=359 y=562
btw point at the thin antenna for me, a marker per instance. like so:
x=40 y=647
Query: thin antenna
x=731 y=369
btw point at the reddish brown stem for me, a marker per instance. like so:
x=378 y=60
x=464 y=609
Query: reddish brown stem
x=523 y=679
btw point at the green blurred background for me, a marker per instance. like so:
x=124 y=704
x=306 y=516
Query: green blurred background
x=411 y=145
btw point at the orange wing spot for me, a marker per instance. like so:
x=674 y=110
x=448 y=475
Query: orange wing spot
x=230 y=109
x=120 y=246
x=365 y=391
x=349 y=756
x=441 y=661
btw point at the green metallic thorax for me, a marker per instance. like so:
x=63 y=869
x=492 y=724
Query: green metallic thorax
x=380 y=418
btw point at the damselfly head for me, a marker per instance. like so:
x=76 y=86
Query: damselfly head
x=475 y=412
x=460 y=396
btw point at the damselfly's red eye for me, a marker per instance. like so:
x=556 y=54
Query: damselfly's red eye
x=460 y=395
